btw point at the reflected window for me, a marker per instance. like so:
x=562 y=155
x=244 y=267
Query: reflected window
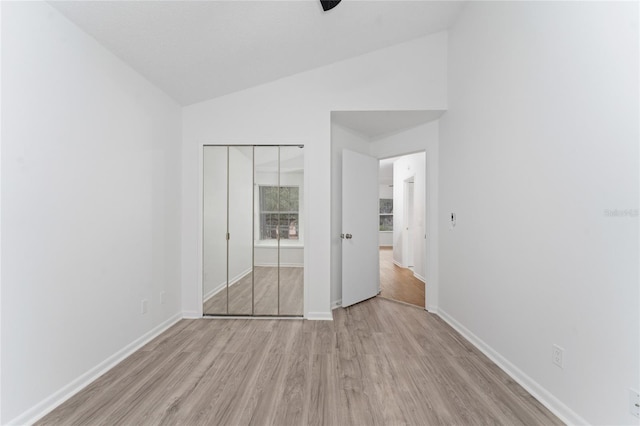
x=283 y=220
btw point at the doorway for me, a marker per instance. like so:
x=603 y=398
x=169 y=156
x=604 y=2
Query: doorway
x=383 y=135
x=401 y=233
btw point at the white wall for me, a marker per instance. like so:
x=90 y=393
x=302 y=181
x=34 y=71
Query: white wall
x=421 y=138
x=540 y=141
x=90 y=220
x=296 y=110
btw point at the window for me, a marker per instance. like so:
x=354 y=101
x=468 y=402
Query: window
x=386 y=214
x=283 y=220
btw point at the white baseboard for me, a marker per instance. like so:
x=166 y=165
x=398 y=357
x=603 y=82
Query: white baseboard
x=321 y=316
x=191 y=315
x=395 y=262
x=336 y=304
x=420 y=277
x=45 y=406
x=545 y=397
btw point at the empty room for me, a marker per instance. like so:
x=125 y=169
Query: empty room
x=191 y=214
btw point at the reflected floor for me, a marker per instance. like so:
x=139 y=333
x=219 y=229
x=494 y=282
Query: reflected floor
x=265 y=293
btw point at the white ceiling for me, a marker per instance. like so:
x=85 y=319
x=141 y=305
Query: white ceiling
x=198 y=50
x=377 y=124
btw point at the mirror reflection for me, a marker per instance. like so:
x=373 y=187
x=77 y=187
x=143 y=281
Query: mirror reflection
x=290 y=230
x=240 y=249
x=253 y=263
x=266 y=219
x=214 y=247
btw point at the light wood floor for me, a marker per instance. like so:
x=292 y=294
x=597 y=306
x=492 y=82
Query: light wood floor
x=265 y=292
x=399 y=283
x=378 y=363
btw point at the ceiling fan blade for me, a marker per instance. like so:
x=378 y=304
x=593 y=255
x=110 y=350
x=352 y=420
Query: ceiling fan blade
x=329 y=4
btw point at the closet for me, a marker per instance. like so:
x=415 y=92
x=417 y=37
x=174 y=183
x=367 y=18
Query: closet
x=253 y=237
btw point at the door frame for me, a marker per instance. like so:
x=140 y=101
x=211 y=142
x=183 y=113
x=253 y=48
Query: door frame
x=430 y=148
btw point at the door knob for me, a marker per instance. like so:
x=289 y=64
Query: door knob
x=348 y=236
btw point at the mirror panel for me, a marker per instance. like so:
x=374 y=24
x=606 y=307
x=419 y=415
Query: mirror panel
x=290 y=208
x=214 y=246
x=240 y=252
x=266 y=219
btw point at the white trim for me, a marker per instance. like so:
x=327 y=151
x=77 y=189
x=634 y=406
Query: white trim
x=321 y=316
x=336 y=304
x=191 y=315
x=432 y=309
x=545 y=397
x=420 y=277
x=45 y=406
x=395 y=262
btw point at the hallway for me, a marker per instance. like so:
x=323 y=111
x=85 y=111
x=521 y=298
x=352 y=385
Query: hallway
x=399 y=283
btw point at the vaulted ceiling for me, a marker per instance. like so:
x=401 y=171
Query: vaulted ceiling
x=198 y=50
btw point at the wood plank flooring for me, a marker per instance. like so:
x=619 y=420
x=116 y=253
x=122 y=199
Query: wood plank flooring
x=265 y=293
x=378 y=363
x=399 y=283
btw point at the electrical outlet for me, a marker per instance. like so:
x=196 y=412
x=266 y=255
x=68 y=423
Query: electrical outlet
x=557 y=356
x=162 y=297
x=145 y=306
x=634 y=402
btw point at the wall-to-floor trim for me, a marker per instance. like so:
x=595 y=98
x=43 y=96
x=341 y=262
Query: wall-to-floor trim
x=545 y=397
x=47 y=405
x=321 y=316
x=420 y=277
x=336 y=304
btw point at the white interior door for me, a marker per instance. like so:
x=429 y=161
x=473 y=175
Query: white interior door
x=360 y=257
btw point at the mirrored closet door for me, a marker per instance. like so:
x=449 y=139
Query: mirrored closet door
x=253 y=239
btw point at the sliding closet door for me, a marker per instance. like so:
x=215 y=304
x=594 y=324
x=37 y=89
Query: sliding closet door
x=291 y=247
x=240 y=249
x=214 y=245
